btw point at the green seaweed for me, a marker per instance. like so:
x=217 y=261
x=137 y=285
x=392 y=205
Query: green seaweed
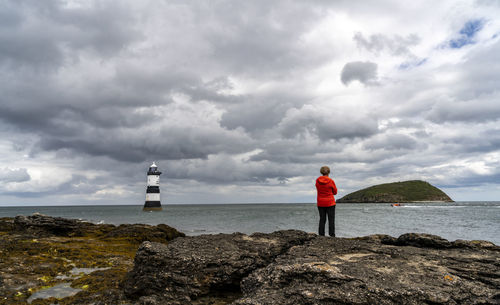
x=29 y=264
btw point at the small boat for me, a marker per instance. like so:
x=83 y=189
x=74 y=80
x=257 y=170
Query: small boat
x=396 y=204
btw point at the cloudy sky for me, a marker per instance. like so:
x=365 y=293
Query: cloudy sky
x=244 y=101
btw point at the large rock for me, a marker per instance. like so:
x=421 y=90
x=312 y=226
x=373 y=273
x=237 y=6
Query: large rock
x=284 y=267
x=193 y=267
x=43 y=225
x=414 y=269
x=40 y=225
x=141 y=232
x=293 y=267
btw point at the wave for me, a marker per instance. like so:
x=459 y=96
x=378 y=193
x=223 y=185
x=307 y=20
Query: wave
x=196 y=230
x=433 y=207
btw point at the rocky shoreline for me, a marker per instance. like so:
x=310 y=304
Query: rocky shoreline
x=67 y=261
x=139 y=264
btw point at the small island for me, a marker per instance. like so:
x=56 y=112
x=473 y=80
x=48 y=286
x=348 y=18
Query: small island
x=406 y=191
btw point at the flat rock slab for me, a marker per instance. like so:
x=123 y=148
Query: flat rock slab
x=294 y=267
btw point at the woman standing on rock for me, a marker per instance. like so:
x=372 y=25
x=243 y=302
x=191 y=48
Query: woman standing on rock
x=326 y=202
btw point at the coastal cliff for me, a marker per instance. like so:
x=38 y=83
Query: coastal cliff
x=284 y=267
x=406 y=191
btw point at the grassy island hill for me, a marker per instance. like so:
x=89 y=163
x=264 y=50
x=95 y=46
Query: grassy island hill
x=406 y=191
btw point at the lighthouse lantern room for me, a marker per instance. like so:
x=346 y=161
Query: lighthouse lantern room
x=153 y=189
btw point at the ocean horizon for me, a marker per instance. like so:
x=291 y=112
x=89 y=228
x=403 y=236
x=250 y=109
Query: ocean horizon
x=236 y=203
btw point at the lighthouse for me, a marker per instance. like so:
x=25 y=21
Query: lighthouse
x=153 y=189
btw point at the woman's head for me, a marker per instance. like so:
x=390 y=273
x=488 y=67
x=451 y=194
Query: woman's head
x=325 y=170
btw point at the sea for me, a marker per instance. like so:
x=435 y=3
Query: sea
x=458 y=220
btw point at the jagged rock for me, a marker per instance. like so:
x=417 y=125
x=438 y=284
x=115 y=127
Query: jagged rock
x=192 y=267
x=141 y=232
x=42 y=226
x=292 y=267
x=416 y=269
x=6 y=224
x=419 y=240
x=484 y=244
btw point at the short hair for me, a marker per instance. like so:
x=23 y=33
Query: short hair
x=325 y=170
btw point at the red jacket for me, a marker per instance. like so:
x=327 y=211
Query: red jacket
x=326 y=189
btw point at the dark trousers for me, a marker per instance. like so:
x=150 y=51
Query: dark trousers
x=330 y=211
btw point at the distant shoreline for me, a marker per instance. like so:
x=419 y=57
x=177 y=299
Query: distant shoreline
x=237 y=203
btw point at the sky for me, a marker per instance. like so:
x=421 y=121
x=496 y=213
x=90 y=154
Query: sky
x=244 y=101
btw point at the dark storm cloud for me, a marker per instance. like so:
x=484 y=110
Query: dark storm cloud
x=259 y=39
x=14 y=175
x=472 y=178
x=223 y=169
x=45 y=34
x=51 y=35
x=467 y=111
x=406 y=123
x=480 y=73
x=215 y=90
x=364 y=72
x=72 y=118
x=94 y=120
x=9 y=13
x=92 y=116
x=291 y=151
x=255 y=113
x=326 y=124
x=170 y=143
x=314 y=151
x=483 y=142
x=391 y=142
x=44 y=110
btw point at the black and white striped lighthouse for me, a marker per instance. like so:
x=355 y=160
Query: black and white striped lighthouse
x=153 y=189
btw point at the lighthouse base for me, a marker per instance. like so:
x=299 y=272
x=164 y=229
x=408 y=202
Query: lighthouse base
x=152 y=206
